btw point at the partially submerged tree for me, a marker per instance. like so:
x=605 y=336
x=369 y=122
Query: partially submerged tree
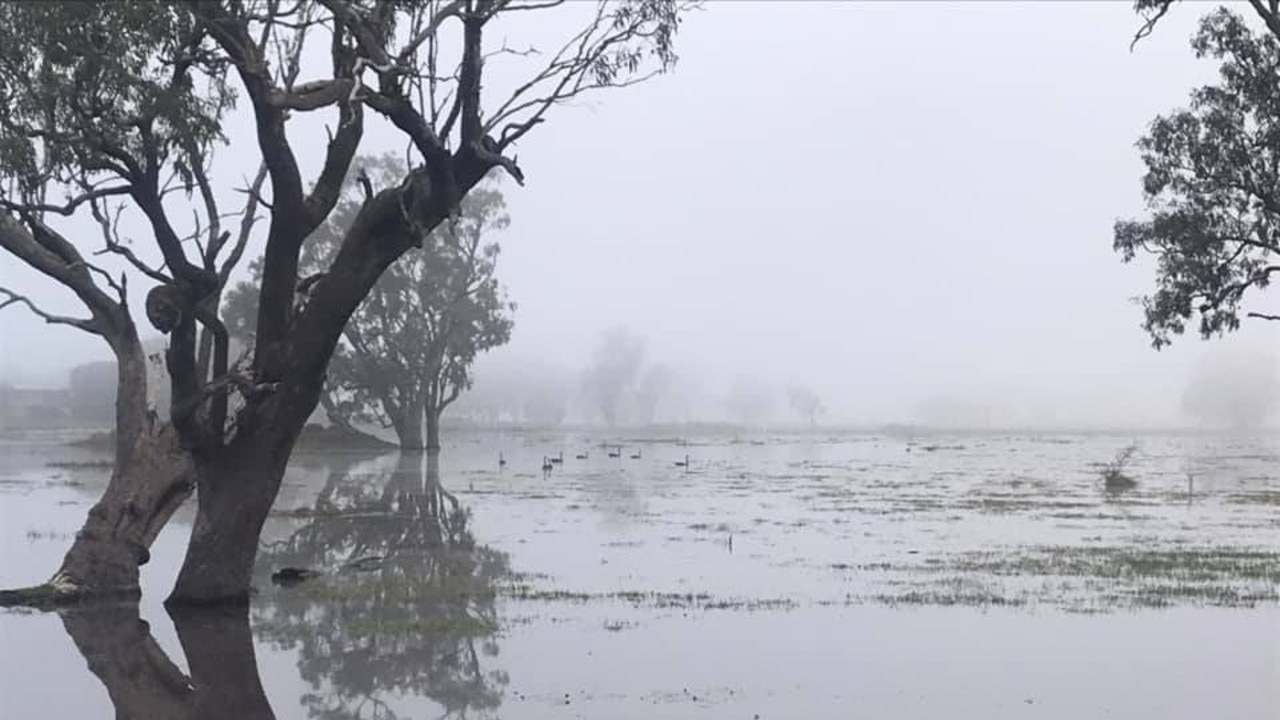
x=87 y=110
x=123 y=103
x=407 y=351
x=1213 y=184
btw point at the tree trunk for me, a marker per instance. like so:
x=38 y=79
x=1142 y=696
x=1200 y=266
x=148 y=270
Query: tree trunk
x=433 y=431
x=152 y=477
x=148 y=485
x=235 y=490
x=408 y=426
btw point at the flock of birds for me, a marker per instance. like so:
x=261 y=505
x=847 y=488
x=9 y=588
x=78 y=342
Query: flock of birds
x=549 y=463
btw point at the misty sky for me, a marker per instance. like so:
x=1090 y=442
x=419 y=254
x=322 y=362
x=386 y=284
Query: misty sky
x=886 y=201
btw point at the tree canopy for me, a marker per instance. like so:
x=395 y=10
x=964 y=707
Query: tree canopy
x=407 y=351
x=1213 y=187
x=110 y=116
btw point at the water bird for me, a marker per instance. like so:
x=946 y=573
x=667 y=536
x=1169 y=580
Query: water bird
x=502 y=462
x=582 y=455
x=616 y=453
x=293 y=575
x=683 y=463
x=546 y=464
x=559 y=458
x=636 y=456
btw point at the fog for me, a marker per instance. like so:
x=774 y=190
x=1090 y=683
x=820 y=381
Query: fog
x=906 y=207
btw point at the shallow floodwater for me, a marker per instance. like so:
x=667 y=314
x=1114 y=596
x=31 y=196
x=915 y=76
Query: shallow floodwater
x=809 y=576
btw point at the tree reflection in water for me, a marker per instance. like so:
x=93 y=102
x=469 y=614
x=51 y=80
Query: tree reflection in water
x=406 y=602
x=144 y=684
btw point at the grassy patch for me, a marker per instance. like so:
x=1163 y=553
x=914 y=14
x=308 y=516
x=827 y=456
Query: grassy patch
x=1261 y=497
x=82 y=464
x=429 y=625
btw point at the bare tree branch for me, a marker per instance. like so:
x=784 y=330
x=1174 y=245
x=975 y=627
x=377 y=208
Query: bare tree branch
x=113 y=245
x=11 y=297
x=247 y=221
x=68 y=208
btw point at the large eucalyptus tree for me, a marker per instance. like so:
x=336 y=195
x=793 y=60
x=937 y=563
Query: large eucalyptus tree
x=121 y=106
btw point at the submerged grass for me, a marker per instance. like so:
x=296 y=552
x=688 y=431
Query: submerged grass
x=650 y=599
x=1092 y=577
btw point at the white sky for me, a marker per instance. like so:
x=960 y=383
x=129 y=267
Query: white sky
x=886 y=201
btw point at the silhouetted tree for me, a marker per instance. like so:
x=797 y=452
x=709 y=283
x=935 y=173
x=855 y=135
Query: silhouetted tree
x=1213 y=185
x=120 y=107
x=612 y=373
x=805 y=403
x=656 y=383
x=406 y=353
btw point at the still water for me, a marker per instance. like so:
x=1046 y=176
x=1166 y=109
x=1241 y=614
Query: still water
x=807 y=576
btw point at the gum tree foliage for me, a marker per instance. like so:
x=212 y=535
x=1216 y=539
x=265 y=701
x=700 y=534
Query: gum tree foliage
x=110 y=115
x=1212 y=184
x=407 y=352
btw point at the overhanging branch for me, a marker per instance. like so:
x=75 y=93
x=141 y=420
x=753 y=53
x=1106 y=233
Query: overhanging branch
x=9 y=297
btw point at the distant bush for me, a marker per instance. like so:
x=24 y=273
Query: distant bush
x=1114 y=475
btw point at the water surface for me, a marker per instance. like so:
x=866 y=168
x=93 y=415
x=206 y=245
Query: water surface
x=965 y=576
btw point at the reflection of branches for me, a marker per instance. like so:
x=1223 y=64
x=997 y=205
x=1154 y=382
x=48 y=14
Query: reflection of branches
x=408 y=604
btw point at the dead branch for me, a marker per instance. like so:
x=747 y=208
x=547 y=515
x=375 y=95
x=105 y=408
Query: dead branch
x=247 y=221
x=113 y=245
x=11 y=298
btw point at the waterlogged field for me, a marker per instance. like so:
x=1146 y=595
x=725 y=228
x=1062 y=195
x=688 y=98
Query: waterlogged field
x=807 y=576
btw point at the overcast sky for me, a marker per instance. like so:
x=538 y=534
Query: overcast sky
x=886 y=201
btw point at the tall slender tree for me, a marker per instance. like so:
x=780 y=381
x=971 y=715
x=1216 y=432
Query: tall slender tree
x=120 y=106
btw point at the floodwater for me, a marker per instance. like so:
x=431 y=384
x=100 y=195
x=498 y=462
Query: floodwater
x=961 y=576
